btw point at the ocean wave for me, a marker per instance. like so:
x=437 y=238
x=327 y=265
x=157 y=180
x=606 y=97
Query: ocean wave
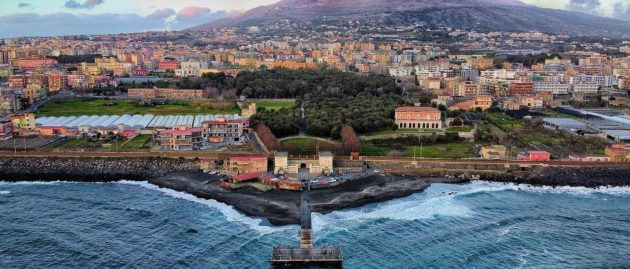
x=442 y=200
x=227 y=211
x=485 y=186
x=4 y=192
x=32 y=182
x=435 y=201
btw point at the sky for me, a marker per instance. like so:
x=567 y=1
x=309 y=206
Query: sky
x=64 y=17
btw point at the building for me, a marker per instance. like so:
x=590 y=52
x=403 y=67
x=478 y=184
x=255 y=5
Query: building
x=415 y=117
x=23 y=123
x=167 y=93
x=180 y=138
x=588 y=157
x=552 y=87
x=535 y=156
x=493 y=152
x=17 y=81
x=6 y=130
x=323 y=164
x=588 y=88
x=237 y=165
x=618 y=152
x=31 y=64
x=531 y=101
x=521 y=88
x=10 y=103
x=222 y=130
x=34 y=92
x=169 y=65
x=482 y=102
x=191 y=68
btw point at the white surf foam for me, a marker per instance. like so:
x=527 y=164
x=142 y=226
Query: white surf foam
x=441 y=200
x=484 y=186
x=430 y=204
x=4 y=192
x=227 y=211
x=31 y=182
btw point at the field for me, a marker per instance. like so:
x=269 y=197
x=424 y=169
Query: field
x=504 y=121
x=273 y=105
x=78 y=106
x=307 y=146
x=138 y=142
x=459 y=129
x=446 y=151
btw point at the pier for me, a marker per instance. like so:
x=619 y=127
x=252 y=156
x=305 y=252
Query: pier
x=306 y=255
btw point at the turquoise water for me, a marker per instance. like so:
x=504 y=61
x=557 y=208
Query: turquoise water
x=475 y=225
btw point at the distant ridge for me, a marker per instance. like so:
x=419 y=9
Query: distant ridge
x=480 y=15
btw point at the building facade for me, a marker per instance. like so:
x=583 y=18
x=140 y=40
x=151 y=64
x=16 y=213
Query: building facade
x=222 y=130
x=418 y=118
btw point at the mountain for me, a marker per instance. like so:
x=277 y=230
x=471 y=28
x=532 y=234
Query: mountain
x=480 y=15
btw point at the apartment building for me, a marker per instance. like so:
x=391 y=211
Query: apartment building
x=179 y=138
x=222 y=130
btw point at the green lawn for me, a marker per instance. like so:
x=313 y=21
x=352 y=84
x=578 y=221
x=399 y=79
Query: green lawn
x=79 y=106
x=74 y=143
x=273 y=105
x=369 y=149
x=459 y=129
x=447 y=151
x=380 y=132
x=307 y=145
x=504 y=121
x=138 y=142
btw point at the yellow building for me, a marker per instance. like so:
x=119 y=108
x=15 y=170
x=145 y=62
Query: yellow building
x=34 y=92
x=23 y=123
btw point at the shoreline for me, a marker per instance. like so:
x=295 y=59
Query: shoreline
x=281 y=207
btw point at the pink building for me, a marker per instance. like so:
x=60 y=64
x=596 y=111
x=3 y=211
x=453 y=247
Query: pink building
x=6 y=130
x=31 y=64
x=535 y=156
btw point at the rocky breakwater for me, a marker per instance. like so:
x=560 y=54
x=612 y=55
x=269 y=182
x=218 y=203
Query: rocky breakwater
x=567 y=176
x=90 y=169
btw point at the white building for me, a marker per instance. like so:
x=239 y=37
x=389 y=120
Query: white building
x=552 y=87
x=401 y=71
x=190 y=68
x=586 y=88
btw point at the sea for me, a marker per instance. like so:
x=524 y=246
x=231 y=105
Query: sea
x=474 y=225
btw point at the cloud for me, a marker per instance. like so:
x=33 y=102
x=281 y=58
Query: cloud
x=161 y=13
x=89 y=4
x=65 y=23
x=195 y=15
x=621 y=11
x=585 y=6
x=23 y=5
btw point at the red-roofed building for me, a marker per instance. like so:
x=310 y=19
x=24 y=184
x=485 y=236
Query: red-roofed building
x=417 y=117
x=179 y=138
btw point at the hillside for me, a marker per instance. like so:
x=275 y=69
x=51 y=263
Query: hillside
x=481 y=15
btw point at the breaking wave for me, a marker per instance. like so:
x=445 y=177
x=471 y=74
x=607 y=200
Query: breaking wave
x=227 y=211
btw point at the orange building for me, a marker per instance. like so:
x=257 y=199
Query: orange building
x=415 y=117
x=521 y=88
x=247 y=164
x=618 y=153
x=31 y=64
x=169 y=65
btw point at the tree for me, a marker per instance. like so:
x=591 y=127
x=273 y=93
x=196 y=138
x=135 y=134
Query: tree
x=350 y=140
